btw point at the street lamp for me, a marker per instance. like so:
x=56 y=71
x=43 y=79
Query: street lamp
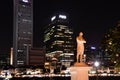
x=84 y=57
x=96 y=64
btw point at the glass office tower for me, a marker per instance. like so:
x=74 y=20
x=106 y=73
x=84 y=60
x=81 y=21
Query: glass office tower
x=58 y=39
x=23 y=31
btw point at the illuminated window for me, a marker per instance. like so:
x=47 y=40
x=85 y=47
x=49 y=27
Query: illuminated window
x=62 y=16
x=59 y=29
x=20 y=50
x=26 y=1
x=53 y=18
x=53 y=27
x=26 y=20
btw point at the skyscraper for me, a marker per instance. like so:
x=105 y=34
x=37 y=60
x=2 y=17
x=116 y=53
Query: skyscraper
x=23 y=31
x=58 y=39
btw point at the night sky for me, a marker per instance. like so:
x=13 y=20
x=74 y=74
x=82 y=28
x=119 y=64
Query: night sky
x=93 y=19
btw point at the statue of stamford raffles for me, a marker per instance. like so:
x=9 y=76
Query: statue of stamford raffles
x=80 y=47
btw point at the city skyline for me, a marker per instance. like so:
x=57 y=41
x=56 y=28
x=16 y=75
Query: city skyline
x=92 y=19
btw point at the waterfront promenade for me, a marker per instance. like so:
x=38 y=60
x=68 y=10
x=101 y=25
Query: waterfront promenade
x=65 y=78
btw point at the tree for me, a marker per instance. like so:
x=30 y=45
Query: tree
x=111 y=44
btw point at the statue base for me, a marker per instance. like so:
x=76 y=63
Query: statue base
x=80 y=71
x=80 y=64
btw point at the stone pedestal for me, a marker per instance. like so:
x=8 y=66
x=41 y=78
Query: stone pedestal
x=80 y=71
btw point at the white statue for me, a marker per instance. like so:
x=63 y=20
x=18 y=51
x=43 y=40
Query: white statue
x=80 y=46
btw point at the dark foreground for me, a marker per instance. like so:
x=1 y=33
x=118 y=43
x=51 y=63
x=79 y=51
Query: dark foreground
x=66 y=78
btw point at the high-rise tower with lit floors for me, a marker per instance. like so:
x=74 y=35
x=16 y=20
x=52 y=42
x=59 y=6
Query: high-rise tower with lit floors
x=23 y=31
x=58 y=39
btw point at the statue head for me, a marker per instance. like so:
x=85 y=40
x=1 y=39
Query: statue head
x=80 y=34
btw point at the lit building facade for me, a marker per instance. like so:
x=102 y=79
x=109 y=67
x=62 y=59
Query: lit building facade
x=23 y=31
x=58 y=39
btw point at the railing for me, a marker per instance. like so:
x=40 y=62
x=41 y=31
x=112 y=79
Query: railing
x=64 y=77
x=67 y=78
x=105 y=77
